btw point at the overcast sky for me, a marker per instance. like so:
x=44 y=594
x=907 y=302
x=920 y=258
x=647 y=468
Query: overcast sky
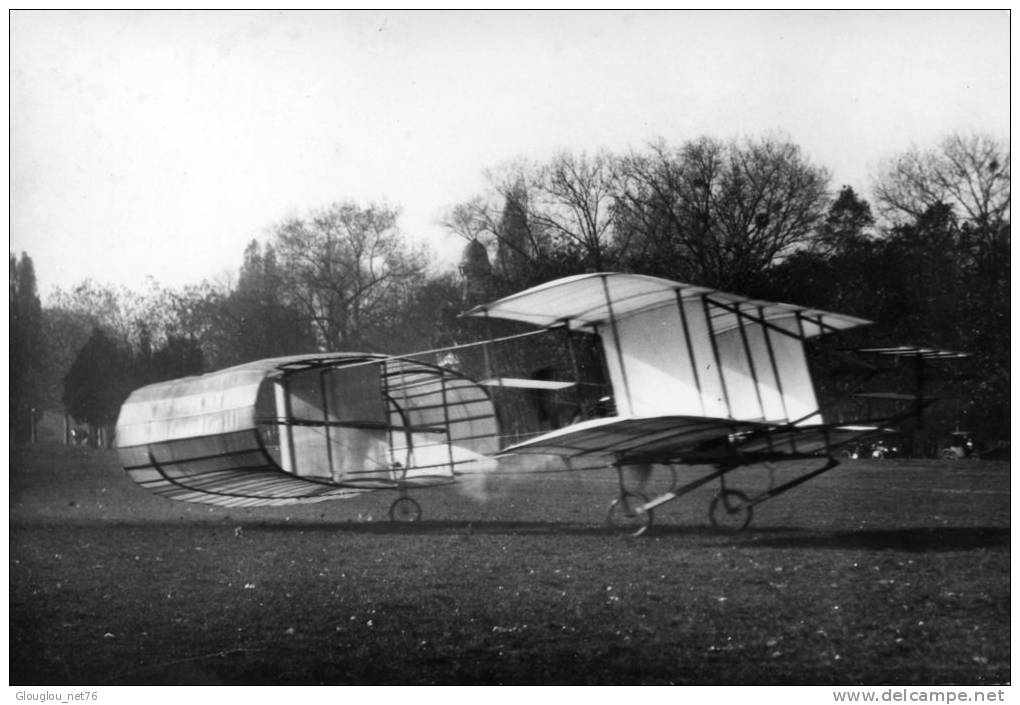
x=159 y=143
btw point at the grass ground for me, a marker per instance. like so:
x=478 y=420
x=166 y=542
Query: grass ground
x=893 y=573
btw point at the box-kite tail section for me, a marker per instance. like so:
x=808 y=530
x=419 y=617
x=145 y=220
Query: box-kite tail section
x=304 y=429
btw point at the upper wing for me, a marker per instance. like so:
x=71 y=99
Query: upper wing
x=593 y=299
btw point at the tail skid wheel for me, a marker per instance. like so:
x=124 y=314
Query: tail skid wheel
x=405 y=509
x=730 y=511
x=625 y=513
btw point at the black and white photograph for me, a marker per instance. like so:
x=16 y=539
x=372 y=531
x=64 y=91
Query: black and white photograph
x=509 y=348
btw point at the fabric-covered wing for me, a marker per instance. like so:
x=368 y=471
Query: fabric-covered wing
x=802 y=440
x=593 y=299
x=661 y=437
x=666 y=439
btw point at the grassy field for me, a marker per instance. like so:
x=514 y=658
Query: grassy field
x=876 y=573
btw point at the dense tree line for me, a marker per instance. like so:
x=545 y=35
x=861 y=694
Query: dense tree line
x=706 y=212
x=927 y=260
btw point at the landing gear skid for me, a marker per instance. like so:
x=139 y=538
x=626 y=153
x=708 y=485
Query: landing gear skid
x=405 y=509
x=627 y=513
x=730 y=511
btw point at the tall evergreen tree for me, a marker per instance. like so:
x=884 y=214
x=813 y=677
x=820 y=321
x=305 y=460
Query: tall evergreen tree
x=100 y=379
x=26 y=353
x=846 y=225
x=514 y=252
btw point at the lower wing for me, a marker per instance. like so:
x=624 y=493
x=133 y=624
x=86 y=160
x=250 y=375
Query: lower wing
x=680 y=439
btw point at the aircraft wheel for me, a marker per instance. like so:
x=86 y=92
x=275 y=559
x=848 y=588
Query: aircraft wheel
x=625 y=513
x=405 y=509
x=730 y=511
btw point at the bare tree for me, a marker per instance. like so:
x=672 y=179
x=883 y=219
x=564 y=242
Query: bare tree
x=564 y=207
x=345 y=268
x=663 y=206
x=471 y=220
x=572 y=199
x=718 y=213
x=710 y=211
x=971 y=173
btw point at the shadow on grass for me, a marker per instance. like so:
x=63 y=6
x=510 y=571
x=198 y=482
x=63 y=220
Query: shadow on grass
x=916 y=539
x=912 y=539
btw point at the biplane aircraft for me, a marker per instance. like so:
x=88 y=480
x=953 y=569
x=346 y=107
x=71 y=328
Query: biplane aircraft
x=686 y=375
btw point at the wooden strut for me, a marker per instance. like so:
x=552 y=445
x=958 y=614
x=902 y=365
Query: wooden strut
x=831 y=462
